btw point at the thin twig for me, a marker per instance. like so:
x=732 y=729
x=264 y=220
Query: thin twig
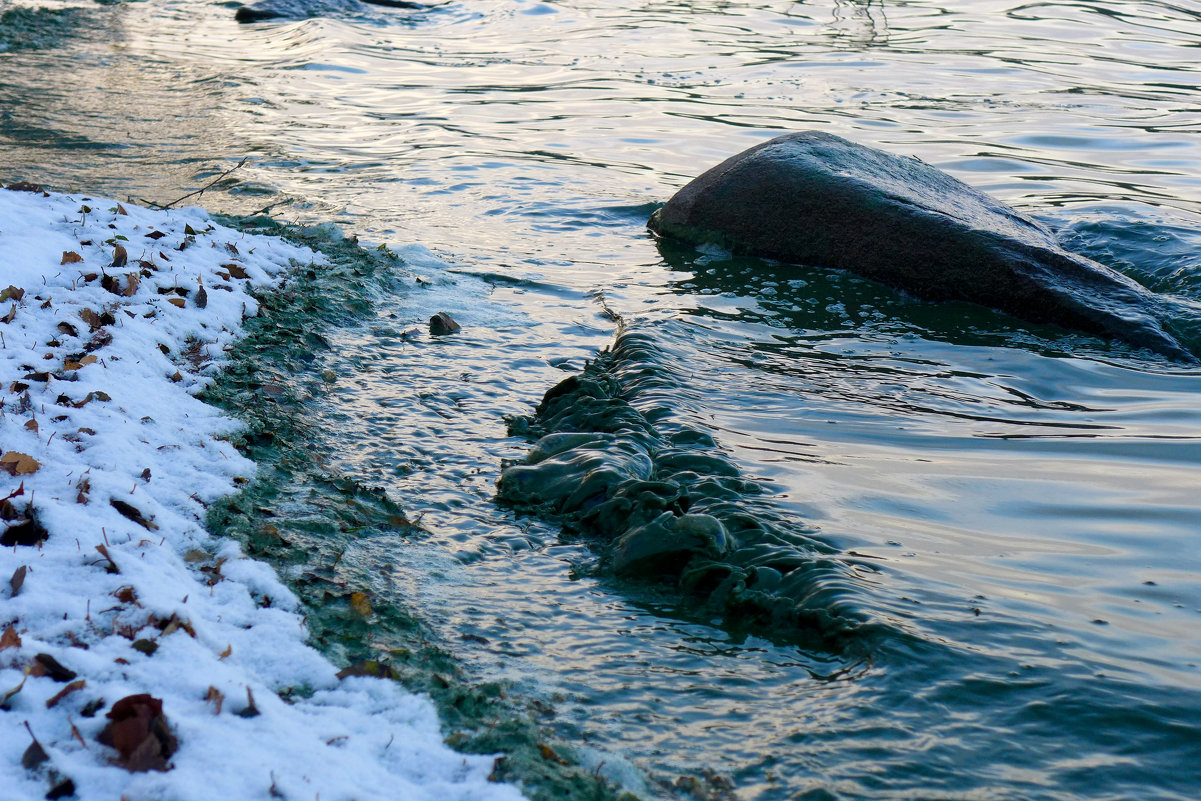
x=204 y=188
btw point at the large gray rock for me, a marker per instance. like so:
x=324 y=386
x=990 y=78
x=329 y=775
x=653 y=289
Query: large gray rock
x=303 y=9
x=817 y=199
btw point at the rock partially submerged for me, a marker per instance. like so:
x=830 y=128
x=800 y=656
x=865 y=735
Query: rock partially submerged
x=660 y=505
x=302 y=9
x=821 y=200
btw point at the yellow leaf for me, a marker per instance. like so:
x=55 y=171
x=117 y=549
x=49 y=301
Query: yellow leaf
x=180 y=302
x=360 y=603
x=71 y=257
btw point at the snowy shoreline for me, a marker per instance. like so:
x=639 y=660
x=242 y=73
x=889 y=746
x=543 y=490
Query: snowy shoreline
x=112 y=318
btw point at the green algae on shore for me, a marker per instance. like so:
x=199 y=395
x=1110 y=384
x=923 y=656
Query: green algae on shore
x=300 y=515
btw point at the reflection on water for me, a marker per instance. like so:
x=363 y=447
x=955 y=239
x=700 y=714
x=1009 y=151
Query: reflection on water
x=1029 y=499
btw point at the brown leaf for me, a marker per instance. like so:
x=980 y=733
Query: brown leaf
x=120 y=257
x=18 y=464
x=34 y=755
x=111 y=567
x=236 y=271
x=251 y=709
x=12 y=314
x=11 y=293
x=78 y=684
x=202 y=297
x=229 y=649
x=177 y=377
x=155 y=235
x=133 y=513
x=71 y=257
x=121 y=210
x=180 y=302
x=46 y=665
x=84 y=485
x=91 y=318
x=10 y=638
x=18 y=579
x=131 y=284
x=31 y=425
x=138 y=730
x=215 y=697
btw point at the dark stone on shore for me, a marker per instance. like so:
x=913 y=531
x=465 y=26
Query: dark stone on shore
x=816 y=199
x=442 y=324
x=303 y=9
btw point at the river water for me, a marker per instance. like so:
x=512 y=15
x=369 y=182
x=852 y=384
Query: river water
x=1023 y=505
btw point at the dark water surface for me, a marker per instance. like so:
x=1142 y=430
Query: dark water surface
x=1024 y=506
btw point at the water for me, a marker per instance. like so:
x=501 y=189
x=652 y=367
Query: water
x=1023 y=505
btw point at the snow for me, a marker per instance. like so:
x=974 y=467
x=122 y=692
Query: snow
x=94 y=426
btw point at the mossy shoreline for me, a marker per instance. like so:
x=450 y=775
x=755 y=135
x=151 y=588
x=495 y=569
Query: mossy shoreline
x=299 y=515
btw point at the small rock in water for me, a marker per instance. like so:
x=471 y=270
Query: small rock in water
x=442 y=323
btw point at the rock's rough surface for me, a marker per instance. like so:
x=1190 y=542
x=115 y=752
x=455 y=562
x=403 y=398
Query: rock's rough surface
x=818 y=199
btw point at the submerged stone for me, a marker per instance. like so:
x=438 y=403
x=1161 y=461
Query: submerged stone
x=818 y=199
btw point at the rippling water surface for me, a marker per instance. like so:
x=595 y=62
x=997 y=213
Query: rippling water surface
x=1023 y=506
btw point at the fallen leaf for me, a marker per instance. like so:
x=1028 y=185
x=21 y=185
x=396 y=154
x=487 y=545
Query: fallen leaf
x=180 y=302
x=18 y=464
x=18 y=579
x=12 y=293
x=8 y=696
x=10 y=638
x=549 y=754
x=31 y=425
x=251 y=710
x=155 y=235
x=120 y=257
x=71 y=257
x=360 y=603
x=86 y=360
x=34 y=755
x=236 y=271
x=139 y=732
x=12 y=314
x=111 y=567
x=91 y=318
x=145 y=646
x=229 y=649
x=215 y=697
x=133 y=513
x=121 y=210
x=78 y=684
x=202 y=297
x=369 y=667
x=46 y=665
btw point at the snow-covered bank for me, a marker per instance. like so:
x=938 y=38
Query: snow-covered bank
x=112 y=318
